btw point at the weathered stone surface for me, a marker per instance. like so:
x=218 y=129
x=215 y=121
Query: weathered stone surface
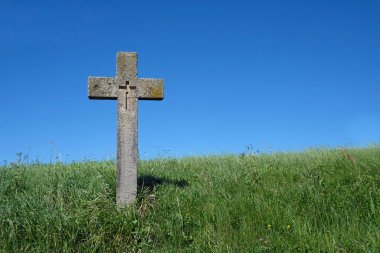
x=150 y=89
x=102 y=88
x=126 y=66
x=127 y=89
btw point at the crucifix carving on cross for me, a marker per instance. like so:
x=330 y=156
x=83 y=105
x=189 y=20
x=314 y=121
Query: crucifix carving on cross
x=127 y=89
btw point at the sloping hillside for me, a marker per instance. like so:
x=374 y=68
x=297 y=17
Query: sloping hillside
x=316 y=201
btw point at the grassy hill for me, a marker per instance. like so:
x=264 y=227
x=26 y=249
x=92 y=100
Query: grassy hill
x=315 y=201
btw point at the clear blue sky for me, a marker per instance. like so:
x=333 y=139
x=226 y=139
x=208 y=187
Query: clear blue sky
x=276 y=75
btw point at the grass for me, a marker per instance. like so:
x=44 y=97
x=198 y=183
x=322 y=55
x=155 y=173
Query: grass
x=315 y=201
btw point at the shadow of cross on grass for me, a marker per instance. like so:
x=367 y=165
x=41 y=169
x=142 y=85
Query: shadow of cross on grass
x=149 y=182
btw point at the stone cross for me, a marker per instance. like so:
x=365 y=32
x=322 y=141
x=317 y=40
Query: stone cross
x=127 y=89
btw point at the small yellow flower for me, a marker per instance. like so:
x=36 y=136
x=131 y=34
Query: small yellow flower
x=269 y=226
x=288 y=226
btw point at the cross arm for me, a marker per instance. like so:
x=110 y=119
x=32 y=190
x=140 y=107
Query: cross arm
x=106 y=88
x=102 y=88
x=150 y=88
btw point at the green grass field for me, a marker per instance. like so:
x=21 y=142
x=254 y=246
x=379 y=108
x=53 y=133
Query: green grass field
x=315 y=201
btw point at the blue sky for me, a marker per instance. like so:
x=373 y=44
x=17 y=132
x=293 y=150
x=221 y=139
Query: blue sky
x=272 y=75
